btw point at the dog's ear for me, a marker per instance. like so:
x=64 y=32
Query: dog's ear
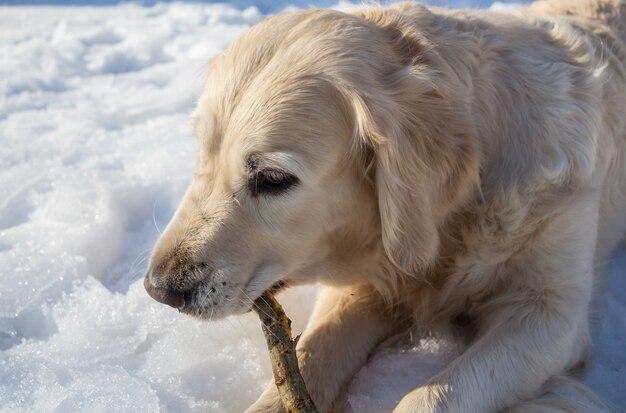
x=425 y=158
x=412 y=112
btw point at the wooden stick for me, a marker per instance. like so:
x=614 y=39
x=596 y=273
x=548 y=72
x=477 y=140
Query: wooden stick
x=282 y=348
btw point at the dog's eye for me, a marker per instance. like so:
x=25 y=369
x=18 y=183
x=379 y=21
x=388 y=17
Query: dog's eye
x=271 y=181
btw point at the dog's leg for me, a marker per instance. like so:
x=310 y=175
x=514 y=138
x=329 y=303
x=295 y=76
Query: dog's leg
x=534 y=328
x=344 y=328
x=506 y=365
x=563 y=394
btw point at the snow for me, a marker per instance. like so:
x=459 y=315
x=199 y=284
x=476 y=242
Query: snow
x=96 y=151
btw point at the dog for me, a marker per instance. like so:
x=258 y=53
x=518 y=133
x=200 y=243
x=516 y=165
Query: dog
x=429 y=168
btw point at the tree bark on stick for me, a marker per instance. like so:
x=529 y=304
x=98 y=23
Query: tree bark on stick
x=282 y=348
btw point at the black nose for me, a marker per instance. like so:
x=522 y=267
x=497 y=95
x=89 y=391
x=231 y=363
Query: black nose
x=172 y=298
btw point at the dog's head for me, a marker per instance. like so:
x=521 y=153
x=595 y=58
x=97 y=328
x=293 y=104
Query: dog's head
x=326 y=154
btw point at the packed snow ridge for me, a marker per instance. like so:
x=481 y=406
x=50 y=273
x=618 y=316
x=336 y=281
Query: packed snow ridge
x=95 y=153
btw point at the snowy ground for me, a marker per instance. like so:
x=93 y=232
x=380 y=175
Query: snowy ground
x=95 y=152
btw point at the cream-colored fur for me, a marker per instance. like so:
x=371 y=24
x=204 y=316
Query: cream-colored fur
x=450 y=165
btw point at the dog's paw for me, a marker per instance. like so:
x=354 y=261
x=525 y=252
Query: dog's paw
x=262 y=407
x=269 y=402
x=425 y=399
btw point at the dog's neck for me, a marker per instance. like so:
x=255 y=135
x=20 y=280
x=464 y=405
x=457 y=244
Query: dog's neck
x=492 y=79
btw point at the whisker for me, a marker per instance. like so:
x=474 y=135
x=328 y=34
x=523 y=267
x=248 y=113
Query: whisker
x=259 y=308
x=256 y=306
x=139 y=257
x=154 y=217
x=134 y=266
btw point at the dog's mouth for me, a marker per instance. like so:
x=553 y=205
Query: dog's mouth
x=278 y=286
x=188 y=303
x=203 y=303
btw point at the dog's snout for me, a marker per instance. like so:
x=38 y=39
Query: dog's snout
x=173 y=298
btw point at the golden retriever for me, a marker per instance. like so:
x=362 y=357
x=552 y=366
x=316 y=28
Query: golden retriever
x=428 y=167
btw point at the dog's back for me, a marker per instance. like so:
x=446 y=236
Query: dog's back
x=609 y=12
x=604 y=23
x=594 y=16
